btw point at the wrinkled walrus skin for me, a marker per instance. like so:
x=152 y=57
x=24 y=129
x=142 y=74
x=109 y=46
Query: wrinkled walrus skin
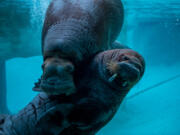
x=73 y=31
x=102 y=82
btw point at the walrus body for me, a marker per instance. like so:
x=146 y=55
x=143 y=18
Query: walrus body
x=73 y=31
x=80 y=28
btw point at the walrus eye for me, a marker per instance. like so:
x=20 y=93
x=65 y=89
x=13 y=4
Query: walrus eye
x=124 y=58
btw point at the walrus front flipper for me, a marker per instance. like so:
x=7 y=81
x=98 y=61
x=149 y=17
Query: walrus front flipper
x=55 y=116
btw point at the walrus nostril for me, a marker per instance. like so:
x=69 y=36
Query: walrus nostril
x=49 y=71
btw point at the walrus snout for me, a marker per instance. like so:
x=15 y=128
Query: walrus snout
x=126 y=74
x=126 y=69
x=55 y=69
x=57 y=76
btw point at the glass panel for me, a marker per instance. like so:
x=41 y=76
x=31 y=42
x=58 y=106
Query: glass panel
x=151 y=27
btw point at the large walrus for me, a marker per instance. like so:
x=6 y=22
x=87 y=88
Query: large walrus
x=73 y=31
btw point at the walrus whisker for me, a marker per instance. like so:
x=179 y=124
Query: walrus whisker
x=113 y=77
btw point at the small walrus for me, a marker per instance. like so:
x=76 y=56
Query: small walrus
x=101 y=88
x=75 y=30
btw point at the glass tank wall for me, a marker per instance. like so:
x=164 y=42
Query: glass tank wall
x=151 y=27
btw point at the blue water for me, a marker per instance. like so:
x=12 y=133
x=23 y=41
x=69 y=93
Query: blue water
x=151 y=28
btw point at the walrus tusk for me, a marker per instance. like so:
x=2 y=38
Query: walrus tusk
x=125 y=84
x=111 y=79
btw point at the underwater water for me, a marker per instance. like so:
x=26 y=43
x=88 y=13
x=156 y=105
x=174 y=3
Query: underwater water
x=152 y=28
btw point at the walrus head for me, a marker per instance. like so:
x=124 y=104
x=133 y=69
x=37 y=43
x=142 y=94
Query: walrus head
x=123 y=68
x=57 y=76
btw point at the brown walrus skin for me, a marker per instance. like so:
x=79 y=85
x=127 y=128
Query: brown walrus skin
x=102 y=82
x=73 y=31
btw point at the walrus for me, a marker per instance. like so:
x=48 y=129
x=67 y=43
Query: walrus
x=73 y=31
x=101 y=82
x=101 y=87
